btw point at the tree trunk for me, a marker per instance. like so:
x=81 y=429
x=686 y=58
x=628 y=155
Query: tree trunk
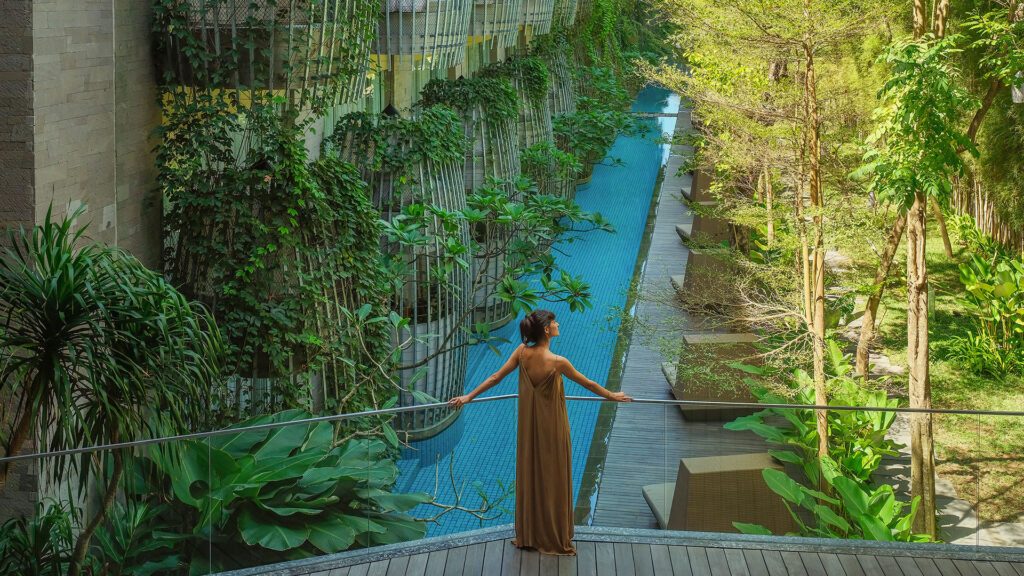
x=82 y=546
x=922 y=463
x=812 y=124
x=941 y=220
x=939 y=16
x=769 y=198
x=867 y=327
x=22 y=426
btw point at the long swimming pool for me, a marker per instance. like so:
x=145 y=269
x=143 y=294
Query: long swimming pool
x=483 y=439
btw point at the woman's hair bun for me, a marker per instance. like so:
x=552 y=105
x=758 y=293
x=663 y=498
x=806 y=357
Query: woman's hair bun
x=531 y=328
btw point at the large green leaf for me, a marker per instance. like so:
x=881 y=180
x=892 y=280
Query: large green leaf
x=331 y=534
x=757 y=529
x=396 y=528
x=855 y=499
x=390 y=502
x=783 y=485
x=271 y=534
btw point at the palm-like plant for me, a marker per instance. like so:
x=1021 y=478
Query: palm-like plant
x=95 y=349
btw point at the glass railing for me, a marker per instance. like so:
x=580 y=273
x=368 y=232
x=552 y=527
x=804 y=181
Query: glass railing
x=290 y=487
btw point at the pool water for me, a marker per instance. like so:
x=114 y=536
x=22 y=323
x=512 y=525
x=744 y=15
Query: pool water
x=483 y=439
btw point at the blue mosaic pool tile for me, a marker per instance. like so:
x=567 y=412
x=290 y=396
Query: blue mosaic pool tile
x=483 y=439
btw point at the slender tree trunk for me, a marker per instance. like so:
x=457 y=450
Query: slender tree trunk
x=922 y=450
x=769 y=199
x=941 y=220
x=867 y=327
x=812 y=123
x=18 y=439
x=82 y=546
x=939 y=16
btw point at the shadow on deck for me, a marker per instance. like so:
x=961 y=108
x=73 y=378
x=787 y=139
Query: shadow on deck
x=626 y=552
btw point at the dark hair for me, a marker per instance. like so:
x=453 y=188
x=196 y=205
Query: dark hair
x=532 y=327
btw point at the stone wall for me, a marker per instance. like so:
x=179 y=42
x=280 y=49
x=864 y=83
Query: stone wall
x=95 y=109
x=17 y=199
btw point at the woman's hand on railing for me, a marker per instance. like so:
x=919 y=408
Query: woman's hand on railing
x=460 y=401
x=619 y=397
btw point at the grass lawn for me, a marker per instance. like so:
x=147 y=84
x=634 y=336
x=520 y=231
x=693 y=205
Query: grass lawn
x=983 y=457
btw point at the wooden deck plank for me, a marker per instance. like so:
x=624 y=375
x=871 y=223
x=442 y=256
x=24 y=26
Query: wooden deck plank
x=859 y=565
x=660 y=559
x=548 y=565
x=586 y=559
x=927 y=566
x=474 y=565
x=736 y=562
x=680 y=561
x=967 y=568
x=794 y=564
x=567 y=565
x=530 y=563
x=832 y=564
x=398 y=566
x=812 y=563
x=493 y=553
x=717 y=562
x=624 y=559
x=889 y=565
x=435 y=563
x=605 y=554
x=511 y=559
x=1004 y=569
x=947 y=568
x=417 y=565
x=698 y=561
x=908 y=566
x=359 y=570
x=755 y=563
x=378 y=568
x=343 y=571
x=985 y=568
x=643 y=562
x=455 y=562
x=776 y=566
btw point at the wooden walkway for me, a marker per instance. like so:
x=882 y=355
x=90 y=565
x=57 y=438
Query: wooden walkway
x=650 y=553
x=646 y=442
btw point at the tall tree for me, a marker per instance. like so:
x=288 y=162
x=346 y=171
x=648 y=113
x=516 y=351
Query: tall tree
x=912 y=158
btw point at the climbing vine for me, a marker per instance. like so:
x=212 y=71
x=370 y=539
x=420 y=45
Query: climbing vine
x=493 y=95
x=529 y=72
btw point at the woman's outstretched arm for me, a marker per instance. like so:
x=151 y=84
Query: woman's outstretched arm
x=490 y=382
x=570 y=372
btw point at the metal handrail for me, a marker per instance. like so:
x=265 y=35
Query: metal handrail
x=401 y=409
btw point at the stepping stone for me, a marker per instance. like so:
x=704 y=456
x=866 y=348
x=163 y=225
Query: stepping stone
x=677 y=281
x=684 y=231
x=719 y=338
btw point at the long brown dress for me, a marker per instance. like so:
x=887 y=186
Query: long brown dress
x=544 y=511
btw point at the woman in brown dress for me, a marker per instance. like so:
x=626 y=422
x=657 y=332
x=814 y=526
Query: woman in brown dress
x=544 y=505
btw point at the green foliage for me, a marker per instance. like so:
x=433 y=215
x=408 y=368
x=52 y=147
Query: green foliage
x=495 y=97
x=993 y=296
x=547 y=166
x=39 y=545
x=528 y=72
x=864 y=512
x=283 y=493
x=857 y=440
x=276 y=247
x=915 y=147
x=95 y=347
x=397 y=145
x=127 y=544
x=856 y=446
x=588 y=134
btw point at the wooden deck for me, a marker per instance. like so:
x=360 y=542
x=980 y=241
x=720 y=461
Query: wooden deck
x=645 y=442
x=604 y=552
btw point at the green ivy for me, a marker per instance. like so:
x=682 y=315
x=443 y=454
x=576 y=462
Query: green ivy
x=279 y=250
x=495 y=96
x=529 y=71
x=384 y=143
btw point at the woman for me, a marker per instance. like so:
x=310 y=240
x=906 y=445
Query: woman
x=544 y=507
